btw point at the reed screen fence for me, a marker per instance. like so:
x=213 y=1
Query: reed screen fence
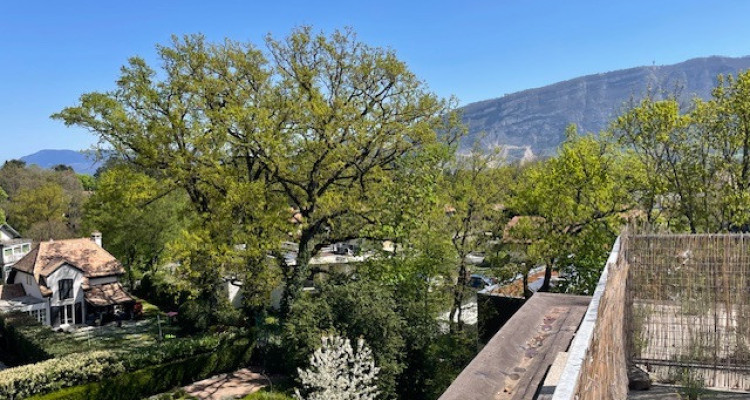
x=688 y=307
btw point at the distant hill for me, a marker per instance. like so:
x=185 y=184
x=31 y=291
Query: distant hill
x=80 y=162
x=532 y=122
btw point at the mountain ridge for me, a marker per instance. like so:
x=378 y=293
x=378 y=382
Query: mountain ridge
x=533 y=121
x=81 y=162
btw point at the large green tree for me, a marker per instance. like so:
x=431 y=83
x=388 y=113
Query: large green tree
x=40 y=212
x=579 y=199
x=42 y=203
x=316 y=123
x=138 y=216
x=696 y=159
x=473 y=188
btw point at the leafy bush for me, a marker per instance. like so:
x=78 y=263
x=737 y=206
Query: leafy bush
x=176 y=349
x=194 y=316
x=54 y=374
x=160 y=378
x=355 y=309
x=159 y=292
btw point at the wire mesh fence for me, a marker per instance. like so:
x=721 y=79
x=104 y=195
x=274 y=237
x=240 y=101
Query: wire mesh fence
x=688 y=307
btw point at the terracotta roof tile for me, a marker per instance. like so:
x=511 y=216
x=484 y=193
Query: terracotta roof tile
x=83 y=254
x=107 y=294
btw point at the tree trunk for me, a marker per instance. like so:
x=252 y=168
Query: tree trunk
x=526 y=292
x=547 y=278
x=459 y=292
x=295 y=280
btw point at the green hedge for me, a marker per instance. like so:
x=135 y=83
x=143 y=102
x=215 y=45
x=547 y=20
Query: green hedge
x=54 y=374
x=15 y=347
x=161 y=378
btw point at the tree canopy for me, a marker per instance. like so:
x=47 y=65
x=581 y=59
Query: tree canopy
x=314 y=125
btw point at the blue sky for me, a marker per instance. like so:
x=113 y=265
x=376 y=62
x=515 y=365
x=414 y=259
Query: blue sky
x=53 y=51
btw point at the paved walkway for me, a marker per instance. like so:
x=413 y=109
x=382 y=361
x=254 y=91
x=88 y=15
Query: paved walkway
x=232 y=385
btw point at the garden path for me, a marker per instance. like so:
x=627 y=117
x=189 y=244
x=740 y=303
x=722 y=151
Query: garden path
x=235 y=384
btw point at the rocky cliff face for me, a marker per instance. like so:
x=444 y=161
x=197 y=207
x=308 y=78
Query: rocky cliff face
x=533 y=121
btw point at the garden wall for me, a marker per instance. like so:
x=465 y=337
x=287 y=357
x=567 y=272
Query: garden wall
x=596 y=367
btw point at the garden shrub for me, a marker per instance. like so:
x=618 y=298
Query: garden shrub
x=78 y=368
x=54 y=374
x=354 y=309
x=160 y=378
x=194 y=316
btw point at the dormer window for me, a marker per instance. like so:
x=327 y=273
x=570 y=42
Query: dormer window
x=66 y=289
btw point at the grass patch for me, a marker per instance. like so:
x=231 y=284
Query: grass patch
x=268 y=395
x=131 y=337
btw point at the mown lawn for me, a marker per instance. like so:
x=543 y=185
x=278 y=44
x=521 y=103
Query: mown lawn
x=132 y=336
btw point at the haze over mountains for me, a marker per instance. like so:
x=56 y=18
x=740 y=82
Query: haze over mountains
x=533 y=122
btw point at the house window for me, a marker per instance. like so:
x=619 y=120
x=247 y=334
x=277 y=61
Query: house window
x=28 y=279
x=66 y=289
x=7 y=253
x=18 y=250
x=26 y=248
x=39 y=315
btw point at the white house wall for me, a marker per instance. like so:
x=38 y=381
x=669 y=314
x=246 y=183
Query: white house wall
x=30 y=284
x=66 y=272
x=4 y=235
x=235 y=294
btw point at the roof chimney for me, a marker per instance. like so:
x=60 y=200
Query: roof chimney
x=96 y=237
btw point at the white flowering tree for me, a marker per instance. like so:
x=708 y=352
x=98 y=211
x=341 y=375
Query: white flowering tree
x=337 y=372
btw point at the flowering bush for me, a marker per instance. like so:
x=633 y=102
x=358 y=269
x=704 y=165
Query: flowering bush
x=337 y=372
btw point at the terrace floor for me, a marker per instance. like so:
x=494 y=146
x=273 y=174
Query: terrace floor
x=658 y=392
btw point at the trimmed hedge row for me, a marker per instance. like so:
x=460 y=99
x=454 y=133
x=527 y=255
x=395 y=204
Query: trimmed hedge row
x=54 y=374
x=15 y=347
x=161 y=378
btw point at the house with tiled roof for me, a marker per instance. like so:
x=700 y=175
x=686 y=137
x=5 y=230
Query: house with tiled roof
x=76 y=279
x=12 y=248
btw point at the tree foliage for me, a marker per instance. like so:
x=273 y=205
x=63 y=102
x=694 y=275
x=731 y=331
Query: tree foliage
x=580 y=199
x=138 y=216
x=42 y=204
x=696 y=161
x=3 y=197
x=474 y=188
x=355 y=309
x=316 y=123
